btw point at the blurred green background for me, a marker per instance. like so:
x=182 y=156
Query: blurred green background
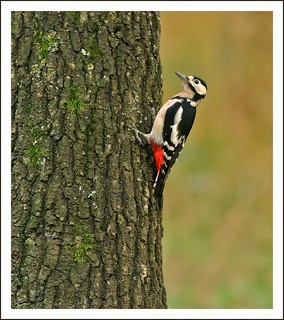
x=218 y=198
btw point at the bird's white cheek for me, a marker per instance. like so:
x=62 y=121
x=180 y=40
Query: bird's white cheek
x=201 y=90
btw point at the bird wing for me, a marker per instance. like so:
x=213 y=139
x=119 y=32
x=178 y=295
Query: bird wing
x=178 y=122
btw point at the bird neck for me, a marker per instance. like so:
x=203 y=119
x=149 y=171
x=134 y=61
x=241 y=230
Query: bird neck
x=186 y=94
x=193 y=97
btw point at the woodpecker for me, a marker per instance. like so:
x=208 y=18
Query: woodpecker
x=171 y=127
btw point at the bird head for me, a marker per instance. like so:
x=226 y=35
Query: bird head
x=195 y=87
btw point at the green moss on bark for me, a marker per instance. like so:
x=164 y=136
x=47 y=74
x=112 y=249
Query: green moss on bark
x=82 y=245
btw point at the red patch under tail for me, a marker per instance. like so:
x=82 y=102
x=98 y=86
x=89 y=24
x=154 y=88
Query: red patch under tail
x=158 y=155
x=159 y=181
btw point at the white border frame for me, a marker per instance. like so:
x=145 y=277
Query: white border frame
x=277 y=8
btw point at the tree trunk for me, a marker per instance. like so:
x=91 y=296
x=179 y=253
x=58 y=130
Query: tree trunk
x=85 y=230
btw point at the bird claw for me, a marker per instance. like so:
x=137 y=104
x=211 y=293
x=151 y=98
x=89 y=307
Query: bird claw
x=136 y=132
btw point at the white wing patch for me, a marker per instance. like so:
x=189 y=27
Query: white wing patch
x=177 y=119
x=157 y=129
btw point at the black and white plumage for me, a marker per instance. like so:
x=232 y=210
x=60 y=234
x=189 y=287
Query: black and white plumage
x=171 y=128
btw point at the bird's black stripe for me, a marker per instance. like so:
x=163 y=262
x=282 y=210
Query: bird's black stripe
x=179 y=97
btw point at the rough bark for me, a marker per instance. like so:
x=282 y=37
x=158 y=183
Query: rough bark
x=85 y=230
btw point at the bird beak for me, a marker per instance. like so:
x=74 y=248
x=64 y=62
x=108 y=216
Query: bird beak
x=182 y=76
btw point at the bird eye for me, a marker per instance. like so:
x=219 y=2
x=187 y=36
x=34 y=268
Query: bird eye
x=196 y=81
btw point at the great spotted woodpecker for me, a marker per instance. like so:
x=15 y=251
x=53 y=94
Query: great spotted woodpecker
x=171 y=127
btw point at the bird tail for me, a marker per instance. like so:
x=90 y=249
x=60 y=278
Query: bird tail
x=159 y=185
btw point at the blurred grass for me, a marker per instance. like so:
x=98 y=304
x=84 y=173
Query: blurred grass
x=218 y=198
